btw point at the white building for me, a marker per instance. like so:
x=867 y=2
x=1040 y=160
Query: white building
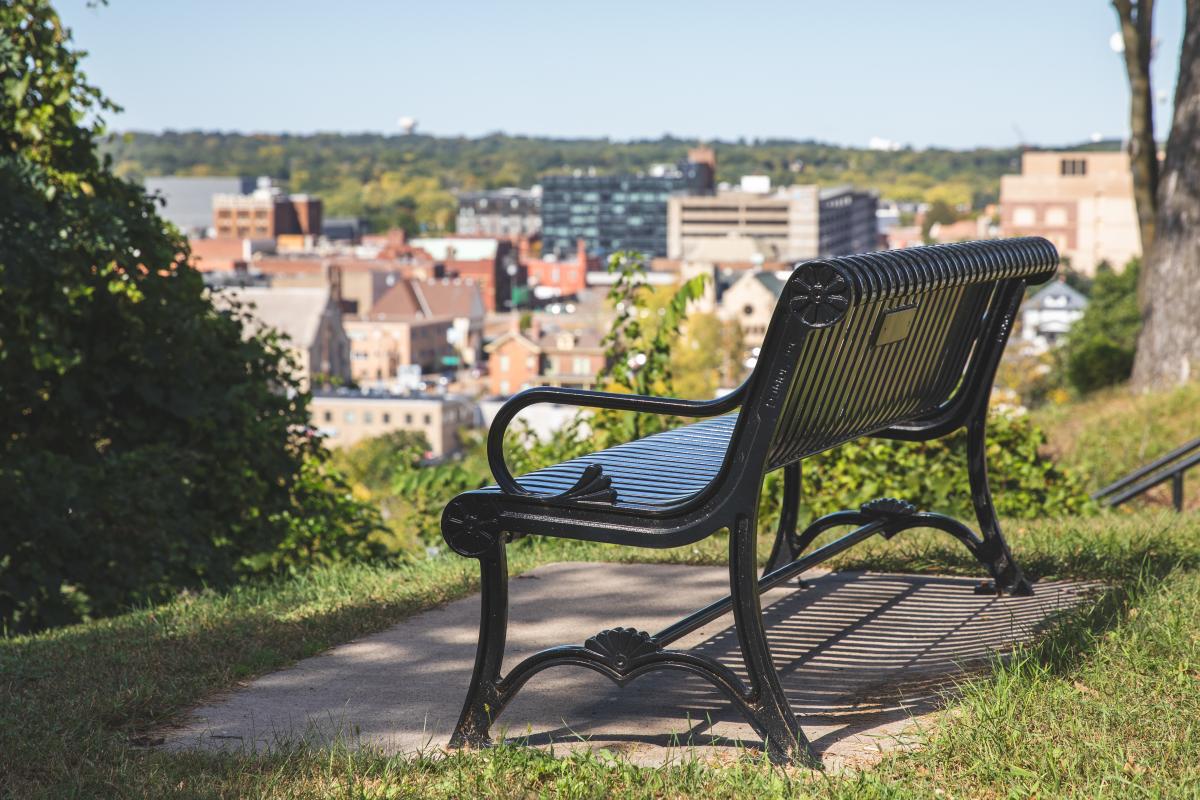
x=1049 y=314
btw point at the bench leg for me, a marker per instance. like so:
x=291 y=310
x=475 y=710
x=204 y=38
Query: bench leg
x=771 y=712
x=483 y=703
x=787 y=546
x=994 y=553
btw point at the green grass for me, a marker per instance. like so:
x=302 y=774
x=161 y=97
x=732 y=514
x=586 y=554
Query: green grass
x=1115 y=431
x=77 y=705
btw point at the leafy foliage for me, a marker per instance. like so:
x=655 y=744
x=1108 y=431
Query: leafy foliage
x=1101 y=345
x=933 y=475
x=145 y=443
x=390 y=473
x=638 y=347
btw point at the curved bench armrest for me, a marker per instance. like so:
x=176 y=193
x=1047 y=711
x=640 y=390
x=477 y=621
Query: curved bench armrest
x=590 y=399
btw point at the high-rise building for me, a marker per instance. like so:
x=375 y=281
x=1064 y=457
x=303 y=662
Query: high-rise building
x=1080 y=201
x=794 y=223
x=503 y=213
x=618 y=212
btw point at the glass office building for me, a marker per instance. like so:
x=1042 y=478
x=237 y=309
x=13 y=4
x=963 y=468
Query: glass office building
x=616 y=212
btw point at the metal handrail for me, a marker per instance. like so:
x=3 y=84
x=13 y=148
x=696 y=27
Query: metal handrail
x=1168 y=467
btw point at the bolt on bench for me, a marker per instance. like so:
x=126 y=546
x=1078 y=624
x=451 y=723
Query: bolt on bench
x=895 y=345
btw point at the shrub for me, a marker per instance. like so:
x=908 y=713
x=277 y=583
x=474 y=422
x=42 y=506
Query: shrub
x=145 y=443
x=1101 y=345
x=933 y=475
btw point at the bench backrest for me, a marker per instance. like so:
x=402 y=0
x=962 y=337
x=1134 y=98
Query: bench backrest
x=861 y=343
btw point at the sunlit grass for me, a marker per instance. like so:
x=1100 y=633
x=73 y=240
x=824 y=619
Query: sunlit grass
x=79 y=705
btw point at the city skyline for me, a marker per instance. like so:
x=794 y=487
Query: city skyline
x=924 y=75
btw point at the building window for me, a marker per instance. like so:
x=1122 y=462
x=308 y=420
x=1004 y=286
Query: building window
x=748 y=310
x=349 y=417
x=408 y=419
x=387 y=419
x=1074 y=166
x=428 y=420
x=368 y=417
x=1024 y=215
x=1056 y=216
x=504 y=363
x=329 y=416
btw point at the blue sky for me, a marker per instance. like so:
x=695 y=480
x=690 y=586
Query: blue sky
x=956 y=74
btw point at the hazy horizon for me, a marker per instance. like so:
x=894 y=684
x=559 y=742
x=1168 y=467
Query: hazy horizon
x=683 y=140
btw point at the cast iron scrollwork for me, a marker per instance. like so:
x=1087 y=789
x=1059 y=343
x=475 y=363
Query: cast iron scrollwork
x=887 y=508
x=622 y=648
x=593 y=486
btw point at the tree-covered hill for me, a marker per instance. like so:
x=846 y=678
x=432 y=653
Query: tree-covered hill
x=409 y=180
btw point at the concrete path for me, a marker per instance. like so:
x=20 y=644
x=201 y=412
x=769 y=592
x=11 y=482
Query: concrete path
x=862 y=656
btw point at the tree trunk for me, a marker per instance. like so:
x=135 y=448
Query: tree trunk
x=1169 y=346
x=1137 y=34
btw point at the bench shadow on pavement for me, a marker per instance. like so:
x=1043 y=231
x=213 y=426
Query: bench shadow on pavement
x=859 y=655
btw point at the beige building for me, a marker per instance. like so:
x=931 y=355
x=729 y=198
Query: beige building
x=795 y=223
x=309 y=318
x=1080 y=201
x=435 y=325
x=346 y=418
x=750 y=302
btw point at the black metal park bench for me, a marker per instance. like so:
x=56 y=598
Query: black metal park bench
x=897 y=345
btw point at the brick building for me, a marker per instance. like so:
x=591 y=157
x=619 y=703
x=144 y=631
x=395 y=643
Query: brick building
x=1080 y=201
x=520 y=359
x=556 y=277
x=266 y=213
x=490 y=263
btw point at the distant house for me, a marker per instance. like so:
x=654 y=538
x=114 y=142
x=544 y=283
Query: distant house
x=433 y=325
x=1048 y=315
x=308 y=317
x=751 y=300
x=520 y=359
x=460 y=301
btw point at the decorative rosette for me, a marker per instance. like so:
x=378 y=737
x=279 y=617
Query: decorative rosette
x=820 y=294
x=471 y=529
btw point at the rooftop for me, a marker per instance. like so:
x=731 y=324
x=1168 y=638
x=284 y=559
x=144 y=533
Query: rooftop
x=295 y=312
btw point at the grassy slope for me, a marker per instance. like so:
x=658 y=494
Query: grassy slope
x=76 y=704
x=1115 y=431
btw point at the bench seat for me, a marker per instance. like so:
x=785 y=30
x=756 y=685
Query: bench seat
x=661 y=470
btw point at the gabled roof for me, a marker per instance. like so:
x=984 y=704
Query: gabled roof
x=451 y=298
x=432 y=299
x=771 y=281
x=294 y=311
x=398 y=301
x=1058 y=296
x=514 y=336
